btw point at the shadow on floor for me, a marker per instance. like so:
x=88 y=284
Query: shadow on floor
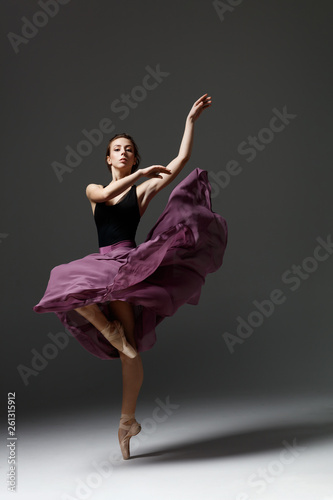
x=298 y=436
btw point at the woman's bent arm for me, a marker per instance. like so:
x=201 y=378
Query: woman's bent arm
x=99 y=194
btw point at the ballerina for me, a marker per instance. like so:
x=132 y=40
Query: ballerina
x=112 y=301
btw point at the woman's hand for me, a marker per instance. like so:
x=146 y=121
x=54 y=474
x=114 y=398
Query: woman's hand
x=202 y=103
x=154 y=171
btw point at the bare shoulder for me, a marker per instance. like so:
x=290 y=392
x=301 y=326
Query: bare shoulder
x=144 y=188
x=149 y=188
x=145 y=192
x=91 y=191
x=91 y=188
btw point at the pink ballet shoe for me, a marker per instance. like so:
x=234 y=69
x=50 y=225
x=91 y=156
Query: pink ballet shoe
x=133 y=428
x=118 y=339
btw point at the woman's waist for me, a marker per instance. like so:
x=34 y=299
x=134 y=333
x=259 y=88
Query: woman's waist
x=130 y=243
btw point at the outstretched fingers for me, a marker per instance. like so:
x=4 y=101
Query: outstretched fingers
x=198 y=107
x=204 y=101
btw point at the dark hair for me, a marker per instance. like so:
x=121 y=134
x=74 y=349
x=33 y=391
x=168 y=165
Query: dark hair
x=136 y=151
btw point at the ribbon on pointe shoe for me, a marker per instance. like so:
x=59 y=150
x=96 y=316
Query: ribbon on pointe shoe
x=132 y=430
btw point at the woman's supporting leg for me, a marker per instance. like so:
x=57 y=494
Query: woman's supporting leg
x=132 y=369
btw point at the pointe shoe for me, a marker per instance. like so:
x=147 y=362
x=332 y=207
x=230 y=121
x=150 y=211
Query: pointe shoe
x=118 y=339
x=133 y=428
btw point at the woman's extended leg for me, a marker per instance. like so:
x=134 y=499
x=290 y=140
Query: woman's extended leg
x=132 y=370
x=109 y=329
x=94 y=315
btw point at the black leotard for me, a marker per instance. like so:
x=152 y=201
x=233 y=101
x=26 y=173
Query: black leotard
x=117 y=222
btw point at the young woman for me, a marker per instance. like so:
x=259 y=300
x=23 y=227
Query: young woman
x=113 y=300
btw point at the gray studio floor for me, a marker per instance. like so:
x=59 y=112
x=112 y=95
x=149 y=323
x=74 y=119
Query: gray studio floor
x=235 y=450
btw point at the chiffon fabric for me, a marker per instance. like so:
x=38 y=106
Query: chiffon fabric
x=167 y=270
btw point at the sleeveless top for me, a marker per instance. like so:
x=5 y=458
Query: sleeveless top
x=117 y=222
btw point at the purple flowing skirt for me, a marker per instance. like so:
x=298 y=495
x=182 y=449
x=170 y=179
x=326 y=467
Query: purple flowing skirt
x=164 y=272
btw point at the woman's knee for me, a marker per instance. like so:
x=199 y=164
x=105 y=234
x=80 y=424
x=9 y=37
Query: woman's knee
x=88 y=310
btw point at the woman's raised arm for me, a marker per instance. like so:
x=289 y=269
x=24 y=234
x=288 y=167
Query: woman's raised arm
x=97 y=193
x=178 y=163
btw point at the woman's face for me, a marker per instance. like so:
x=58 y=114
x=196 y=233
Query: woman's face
x=122 y=154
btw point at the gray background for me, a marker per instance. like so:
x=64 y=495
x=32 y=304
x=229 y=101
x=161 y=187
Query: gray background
x=262 y=55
